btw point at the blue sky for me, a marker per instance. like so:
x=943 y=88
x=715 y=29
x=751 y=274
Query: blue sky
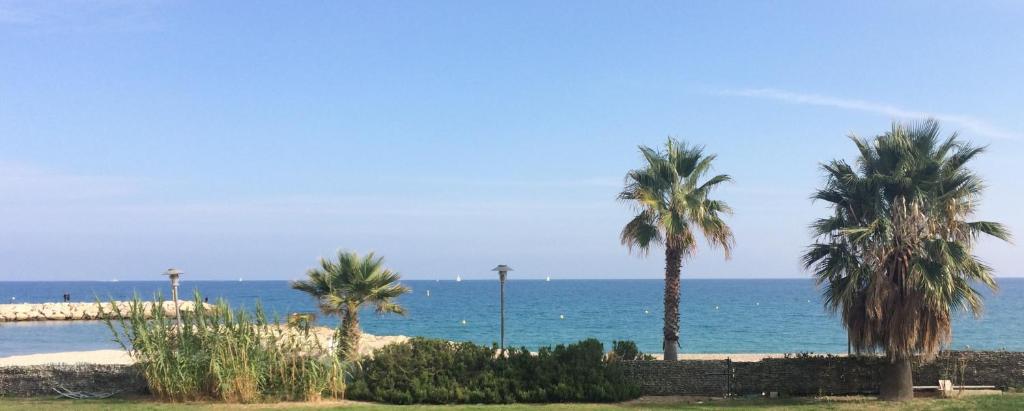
x=246 y=139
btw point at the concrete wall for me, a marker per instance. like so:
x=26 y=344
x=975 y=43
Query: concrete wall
x=818 y=375
x=40 y=380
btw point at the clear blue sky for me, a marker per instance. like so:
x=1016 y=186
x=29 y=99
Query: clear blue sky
x=246 y=139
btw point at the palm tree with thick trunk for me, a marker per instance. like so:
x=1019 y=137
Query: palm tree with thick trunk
x=895 y=256
x=672 y=199
x=344 y=286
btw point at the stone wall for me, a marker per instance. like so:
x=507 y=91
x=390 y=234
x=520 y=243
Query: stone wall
x=41 y=380
x=685 y=377
x=788 y=376
x=818 y=374
x=999 y=368
x=807 y=376
x=80 y=311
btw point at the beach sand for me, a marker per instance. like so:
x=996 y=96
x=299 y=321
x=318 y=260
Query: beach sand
x=120 y=357
x=70 y=357
x=742 y=357
x=367 y=344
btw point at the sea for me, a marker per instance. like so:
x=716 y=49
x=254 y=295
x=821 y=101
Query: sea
x=718 y=316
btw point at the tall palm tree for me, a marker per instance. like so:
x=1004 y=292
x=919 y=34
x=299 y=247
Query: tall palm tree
x=895 y=255
x=342 y=287
x=672 y=201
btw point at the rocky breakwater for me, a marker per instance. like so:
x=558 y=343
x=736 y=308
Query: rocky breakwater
x=82 y=311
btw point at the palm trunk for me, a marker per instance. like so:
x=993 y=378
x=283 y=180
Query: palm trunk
x=348 y=334
x=897 y=381
x=673 y=263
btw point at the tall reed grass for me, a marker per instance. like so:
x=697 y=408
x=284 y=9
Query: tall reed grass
x=227 y=355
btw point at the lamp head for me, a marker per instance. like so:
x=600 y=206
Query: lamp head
x=173 y=274
x=502 y=270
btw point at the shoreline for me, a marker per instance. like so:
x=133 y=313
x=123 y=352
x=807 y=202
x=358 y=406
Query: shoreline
x=119 y=357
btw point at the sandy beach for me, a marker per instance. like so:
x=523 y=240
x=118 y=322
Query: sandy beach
x=373 y=342
x=367 y=344
x=70 y=357
x=740 y=357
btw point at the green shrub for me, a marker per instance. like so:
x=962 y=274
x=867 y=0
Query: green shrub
x=441 y=372
x=225 y=355
x=627 y=351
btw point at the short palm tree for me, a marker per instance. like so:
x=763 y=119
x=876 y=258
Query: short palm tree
x=673 y=204
x=342 y=287
x=894 y=257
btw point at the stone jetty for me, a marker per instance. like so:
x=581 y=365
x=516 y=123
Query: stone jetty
x=81 y=311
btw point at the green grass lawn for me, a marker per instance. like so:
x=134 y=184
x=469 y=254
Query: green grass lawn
x=986 y=402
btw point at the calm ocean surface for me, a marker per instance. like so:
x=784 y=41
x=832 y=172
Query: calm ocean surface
x=722 y=316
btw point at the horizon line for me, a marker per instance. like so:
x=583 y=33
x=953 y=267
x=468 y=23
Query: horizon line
x=542 y=279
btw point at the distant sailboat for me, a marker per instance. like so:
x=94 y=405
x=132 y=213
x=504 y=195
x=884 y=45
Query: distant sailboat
x=458 y=278
x=239 y=279
x=113 y=280
x=548 y=278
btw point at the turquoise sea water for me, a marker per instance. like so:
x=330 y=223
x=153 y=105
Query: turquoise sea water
x=722 y=316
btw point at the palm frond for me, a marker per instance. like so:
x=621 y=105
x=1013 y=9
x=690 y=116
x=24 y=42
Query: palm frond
x=351 y=280
x=672 y=200
x=894 y=256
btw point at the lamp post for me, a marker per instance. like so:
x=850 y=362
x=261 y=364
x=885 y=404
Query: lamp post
x=174 y=274
x=502 y=270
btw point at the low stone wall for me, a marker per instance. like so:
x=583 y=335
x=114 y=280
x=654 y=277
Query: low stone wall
x=789 y=376
x=80 y=311
x=684 y=377
x=818 y=375
x=42 y=380
x=808 y=376
x=1002 y=369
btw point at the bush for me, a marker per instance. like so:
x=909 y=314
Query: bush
x=225 y=355
x=627 y=351
x=441 y=372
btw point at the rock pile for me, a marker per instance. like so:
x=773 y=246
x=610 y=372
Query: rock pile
x=80 y=311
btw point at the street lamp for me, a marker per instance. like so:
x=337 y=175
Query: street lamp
x=174 y=274
x=502 y=270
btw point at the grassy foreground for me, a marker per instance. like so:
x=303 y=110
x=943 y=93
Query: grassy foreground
x=986 y=402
